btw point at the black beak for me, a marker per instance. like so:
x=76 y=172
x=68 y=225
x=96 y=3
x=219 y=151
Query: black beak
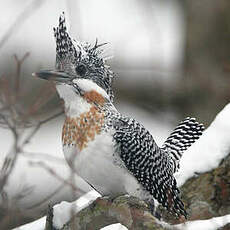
x=53 y=75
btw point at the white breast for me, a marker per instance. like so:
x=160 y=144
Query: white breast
x=74 y=103
x=100 y=166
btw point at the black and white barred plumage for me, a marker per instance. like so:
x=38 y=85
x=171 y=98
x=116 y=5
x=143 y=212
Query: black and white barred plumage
x=154 y=166
x=117 y=154
x=182 y=137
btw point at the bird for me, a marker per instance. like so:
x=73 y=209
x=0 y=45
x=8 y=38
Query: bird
x=112 y=152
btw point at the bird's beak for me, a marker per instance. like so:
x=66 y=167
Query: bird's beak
x=53 y=75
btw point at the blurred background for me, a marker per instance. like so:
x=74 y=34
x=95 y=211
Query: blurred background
x=169 y=56
x=171 y=59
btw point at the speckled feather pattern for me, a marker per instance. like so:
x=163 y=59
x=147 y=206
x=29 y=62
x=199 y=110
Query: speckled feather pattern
x=154 y=166
x=71 y=53
x=151 y=165
x=79 y=131
x=95 y=132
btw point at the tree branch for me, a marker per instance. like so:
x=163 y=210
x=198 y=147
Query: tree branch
x=129 y=211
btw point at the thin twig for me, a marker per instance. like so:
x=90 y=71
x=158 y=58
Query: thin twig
x=45 y=94
x=9 y=164
x=53 y=173
x=9 y=125
x=47 y=156
x=18 y=71
x=47 y=198
x=38 y=126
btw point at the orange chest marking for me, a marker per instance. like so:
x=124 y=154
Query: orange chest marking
x=94 y=97
x=79 y=131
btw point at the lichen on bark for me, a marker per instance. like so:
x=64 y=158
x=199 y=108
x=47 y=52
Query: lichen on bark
x=206 y=195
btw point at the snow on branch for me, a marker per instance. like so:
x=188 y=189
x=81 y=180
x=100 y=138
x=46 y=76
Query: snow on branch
x=129 y=211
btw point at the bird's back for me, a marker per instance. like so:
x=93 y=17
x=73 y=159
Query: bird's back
x=151 y=165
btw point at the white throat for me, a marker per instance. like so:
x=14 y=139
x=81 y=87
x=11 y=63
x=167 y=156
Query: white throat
x=75 y=105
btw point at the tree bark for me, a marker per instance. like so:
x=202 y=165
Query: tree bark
x=205 y=196
x=129 y=211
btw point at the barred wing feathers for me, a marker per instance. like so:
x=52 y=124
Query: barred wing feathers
x=151 y=166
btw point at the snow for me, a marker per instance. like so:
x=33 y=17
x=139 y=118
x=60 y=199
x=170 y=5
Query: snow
x=115 y=227
x=206 y=153
x=36 y=225
x=210 y=224
x=63 y=211
x=40 y=225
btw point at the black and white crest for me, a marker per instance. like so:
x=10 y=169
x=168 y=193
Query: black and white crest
x=81 y=58
x=64 y=44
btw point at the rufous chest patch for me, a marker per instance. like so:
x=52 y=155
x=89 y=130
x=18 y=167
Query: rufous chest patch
x=79 y=131
x=94 y=97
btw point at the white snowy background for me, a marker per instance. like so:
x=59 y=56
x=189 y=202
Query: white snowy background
x=128 y=45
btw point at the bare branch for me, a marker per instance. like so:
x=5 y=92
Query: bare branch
x=38 y=126
x=9 y=125
x=46 y=156
x=52 y=172
x=36 y=205
x=18 y=71
x=45 y=94
x=16 y=119
x=129 y=211
x=8 y=164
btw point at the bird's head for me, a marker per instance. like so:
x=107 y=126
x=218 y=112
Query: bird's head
x=78 y=64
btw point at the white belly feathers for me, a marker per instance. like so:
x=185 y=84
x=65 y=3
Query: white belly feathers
x=100 y=166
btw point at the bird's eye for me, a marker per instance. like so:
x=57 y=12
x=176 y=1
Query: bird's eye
x=81 y=70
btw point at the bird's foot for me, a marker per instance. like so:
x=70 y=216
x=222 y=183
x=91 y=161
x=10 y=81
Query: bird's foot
x=153 y=210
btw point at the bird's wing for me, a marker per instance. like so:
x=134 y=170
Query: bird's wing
x=151 y=166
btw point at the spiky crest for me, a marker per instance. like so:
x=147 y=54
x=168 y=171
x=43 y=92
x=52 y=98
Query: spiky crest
x=71 y=53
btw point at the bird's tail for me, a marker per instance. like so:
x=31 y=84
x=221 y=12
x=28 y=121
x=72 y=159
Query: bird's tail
x=182 y=137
